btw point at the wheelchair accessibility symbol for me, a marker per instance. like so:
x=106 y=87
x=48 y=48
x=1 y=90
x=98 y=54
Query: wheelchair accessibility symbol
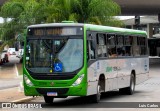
x=58 y=67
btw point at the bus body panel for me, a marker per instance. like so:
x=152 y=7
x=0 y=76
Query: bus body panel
x=117 y=73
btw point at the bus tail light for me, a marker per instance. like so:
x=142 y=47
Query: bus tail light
x=79 y=80
x=28 y=81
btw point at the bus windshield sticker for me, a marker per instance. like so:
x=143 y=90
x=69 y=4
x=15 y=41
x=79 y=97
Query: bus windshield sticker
x=58 y=67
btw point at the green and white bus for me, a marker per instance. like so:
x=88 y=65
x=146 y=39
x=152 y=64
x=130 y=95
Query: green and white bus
x=72 y=59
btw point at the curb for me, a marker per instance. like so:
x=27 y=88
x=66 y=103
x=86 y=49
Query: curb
x=23 y=100
x=15 y=66
x=21 y=87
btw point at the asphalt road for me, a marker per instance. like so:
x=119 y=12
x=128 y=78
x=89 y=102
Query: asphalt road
x=8 y=74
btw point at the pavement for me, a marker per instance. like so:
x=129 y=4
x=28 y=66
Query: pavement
x=11 y=88
x=12 y=94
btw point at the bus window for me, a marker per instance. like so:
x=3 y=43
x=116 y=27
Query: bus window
x=128 y=40
x=91 y=50
x=141 y=41
x=111 y=47
x=120 y=50
x=119 y=40
x=135 y=47
x=127 y=45
x=111 y=39
x=101 y=45
x=90 y=47
x=119 y=45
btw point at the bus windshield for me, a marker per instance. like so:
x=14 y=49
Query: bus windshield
x=54 y=55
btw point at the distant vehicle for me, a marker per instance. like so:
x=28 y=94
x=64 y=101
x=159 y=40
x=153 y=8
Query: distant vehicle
x=12 y=51
x=4 y=57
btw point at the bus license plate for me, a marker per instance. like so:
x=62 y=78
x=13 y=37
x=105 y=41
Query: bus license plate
x=52 y=94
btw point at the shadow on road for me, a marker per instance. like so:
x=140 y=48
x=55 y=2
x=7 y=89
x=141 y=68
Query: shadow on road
x=86 y=102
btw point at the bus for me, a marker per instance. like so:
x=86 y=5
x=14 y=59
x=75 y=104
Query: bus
x=75 y=59
x=154 y=46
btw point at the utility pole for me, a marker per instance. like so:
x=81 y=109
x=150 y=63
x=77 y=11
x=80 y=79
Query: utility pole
x=137 y=22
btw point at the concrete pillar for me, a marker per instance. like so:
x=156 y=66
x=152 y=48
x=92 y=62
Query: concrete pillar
x=150 y=30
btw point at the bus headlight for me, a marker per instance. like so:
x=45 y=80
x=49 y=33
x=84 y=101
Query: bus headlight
x=79 y=80
x=28 y=81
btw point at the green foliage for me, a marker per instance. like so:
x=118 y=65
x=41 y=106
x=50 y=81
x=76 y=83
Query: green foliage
x=27 y=12
x=9 y=43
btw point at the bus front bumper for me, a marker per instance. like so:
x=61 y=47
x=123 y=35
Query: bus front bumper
x=80 y=90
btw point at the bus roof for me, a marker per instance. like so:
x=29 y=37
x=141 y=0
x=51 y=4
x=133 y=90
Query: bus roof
x=94 y=28
x=55 y=24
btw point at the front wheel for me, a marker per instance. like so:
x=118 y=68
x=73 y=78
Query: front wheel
x=96 y=98
x=129 y=90
x=48 y=99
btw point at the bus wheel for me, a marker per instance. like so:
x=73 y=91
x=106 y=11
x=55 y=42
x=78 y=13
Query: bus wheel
x=129 y=90
x=96 y=98
x=48 y=99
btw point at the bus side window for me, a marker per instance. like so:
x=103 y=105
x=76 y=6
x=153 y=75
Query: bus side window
x=121 y=50
x=135 y=46
x=142 y=45
x=128 y=45
x=111 y=47
x=101 y=45
x=91 y=47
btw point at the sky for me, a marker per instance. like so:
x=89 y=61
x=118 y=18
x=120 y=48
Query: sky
x=1 y=20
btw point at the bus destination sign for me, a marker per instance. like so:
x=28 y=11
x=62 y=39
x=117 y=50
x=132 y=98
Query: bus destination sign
x=55 y=31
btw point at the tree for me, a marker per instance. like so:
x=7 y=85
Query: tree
x=96 y=10
x=85 y=11
x=27 y=12
x=22 y=13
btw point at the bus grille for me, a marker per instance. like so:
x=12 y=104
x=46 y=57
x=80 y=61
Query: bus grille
x=52 y=77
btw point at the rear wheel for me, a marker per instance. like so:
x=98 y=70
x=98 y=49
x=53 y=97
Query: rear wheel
x=129 y=90
x=48 y=99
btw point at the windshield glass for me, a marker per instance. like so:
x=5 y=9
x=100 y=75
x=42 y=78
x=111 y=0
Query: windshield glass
x=54 y=55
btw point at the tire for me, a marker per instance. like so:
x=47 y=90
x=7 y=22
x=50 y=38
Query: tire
x=1 y=62
x=21 y=60
x=4 y=61
x=96 y=98
x=48 y=99
x=129 y=90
